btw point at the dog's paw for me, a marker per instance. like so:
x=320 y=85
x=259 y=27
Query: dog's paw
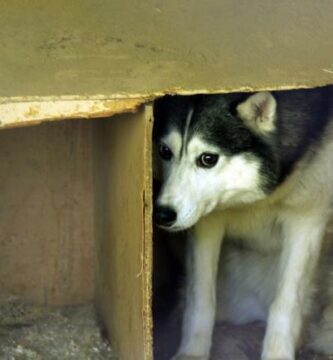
x=277 y=358
x=277 y=347
x=189 y=357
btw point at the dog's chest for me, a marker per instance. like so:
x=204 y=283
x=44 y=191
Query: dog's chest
x=256 y=228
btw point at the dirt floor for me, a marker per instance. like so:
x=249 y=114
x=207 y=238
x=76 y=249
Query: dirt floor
x=37 y=333
x=230 y=342
x=30 y=332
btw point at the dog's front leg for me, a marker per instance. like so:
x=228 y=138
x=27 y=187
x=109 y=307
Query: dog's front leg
x=301 y=246
x=202 y=262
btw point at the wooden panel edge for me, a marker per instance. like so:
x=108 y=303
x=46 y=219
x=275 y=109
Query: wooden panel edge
x=16 y=114
x=148 y=234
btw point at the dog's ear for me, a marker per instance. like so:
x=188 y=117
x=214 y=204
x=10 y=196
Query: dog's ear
x=259 y=112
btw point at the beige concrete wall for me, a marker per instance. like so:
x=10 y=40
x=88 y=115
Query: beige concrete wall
x=46 y=213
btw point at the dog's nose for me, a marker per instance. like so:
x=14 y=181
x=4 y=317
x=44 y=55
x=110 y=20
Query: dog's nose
x=165 y=216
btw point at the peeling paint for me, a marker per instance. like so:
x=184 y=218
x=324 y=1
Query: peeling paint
x=32 y=113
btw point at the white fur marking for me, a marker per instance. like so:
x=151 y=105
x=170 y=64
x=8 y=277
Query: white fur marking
x=174 y=141
x=187 y=125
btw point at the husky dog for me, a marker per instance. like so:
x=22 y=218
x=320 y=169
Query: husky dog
x=254 y=173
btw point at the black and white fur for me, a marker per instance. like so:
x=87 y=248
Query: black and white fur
x=267 y=200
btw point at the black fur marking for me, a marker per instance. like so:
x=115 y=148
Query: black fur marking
x=301 y=123
x=171 y=112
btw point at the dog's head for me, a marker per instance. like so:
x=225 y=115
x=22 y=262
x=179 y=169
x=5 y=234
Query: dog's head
x=215 y=152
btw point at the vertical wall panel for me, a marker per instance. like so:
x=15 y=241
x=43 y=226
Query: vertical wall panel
x=123 y=231
x=46 y=213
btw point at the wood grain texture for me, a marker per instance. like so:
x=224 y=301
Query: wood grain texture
x=134 y=48
x=46 y=213
x=123 y=231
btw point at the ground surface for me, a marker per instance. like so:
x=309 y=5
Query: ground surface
x=37 y=333
x=230 y=342
x=72 y=333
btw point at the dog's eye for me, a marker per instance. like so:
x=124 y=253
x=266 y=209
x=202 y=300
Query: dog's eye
x=165 y=152
x=207 y=160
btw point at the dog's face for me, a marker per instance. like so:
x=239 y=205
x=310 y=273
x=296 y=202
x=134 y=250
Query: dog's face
x=215 y=151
